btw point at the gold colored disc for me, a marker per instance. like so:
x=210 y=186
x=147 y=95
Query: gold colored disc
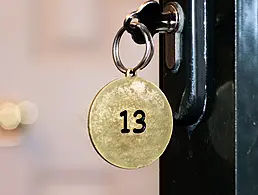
x=130 y=122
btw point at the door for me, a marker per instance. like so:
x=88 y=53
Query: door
x=220 y=155
x=201 y=156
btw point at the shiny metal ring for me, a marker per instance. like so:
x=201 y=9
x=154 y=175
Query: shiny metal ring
x=149 y=51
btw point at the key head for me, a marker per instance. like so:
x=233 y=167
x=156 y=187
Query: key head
x=149 y=14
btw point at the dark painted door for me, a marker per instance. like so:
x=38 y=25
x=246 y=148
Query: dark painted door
x=201 y=160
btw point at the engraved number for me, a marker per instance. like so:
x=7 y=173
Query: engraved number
x=124 y=114
x=138 y=121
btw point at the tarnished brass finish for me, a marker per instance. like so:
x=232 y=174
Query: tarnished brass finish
x=131 y=95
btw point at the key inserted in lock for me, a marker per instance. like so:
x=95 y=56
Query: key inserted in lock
x=149 y=14
x=170 y=22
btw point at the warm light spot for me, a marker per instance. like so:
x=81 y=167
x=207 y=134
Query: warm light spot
x=29 y=112
x=10 y=116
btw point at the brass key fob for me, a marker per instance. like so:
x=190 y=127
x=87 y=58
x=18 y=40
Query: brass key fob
x=130 y=120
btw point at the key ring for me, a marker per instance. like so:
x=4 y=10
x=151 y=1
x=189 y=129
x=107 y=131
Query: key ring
x=149 y=51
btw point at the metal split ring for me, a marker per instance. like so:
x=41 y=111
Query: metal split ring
x=149 y=51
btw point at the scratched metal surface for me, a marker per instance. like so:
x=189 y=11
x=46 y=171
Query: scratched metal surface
x=130 y=150
x=247 y=96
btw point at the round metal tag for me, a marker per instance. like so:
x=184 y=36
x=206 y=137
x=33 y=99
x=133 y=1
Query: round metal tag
x=130 y=122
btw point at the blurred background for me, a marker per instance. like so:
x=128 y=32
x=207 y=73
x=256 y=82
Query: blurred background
x=57 y=54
